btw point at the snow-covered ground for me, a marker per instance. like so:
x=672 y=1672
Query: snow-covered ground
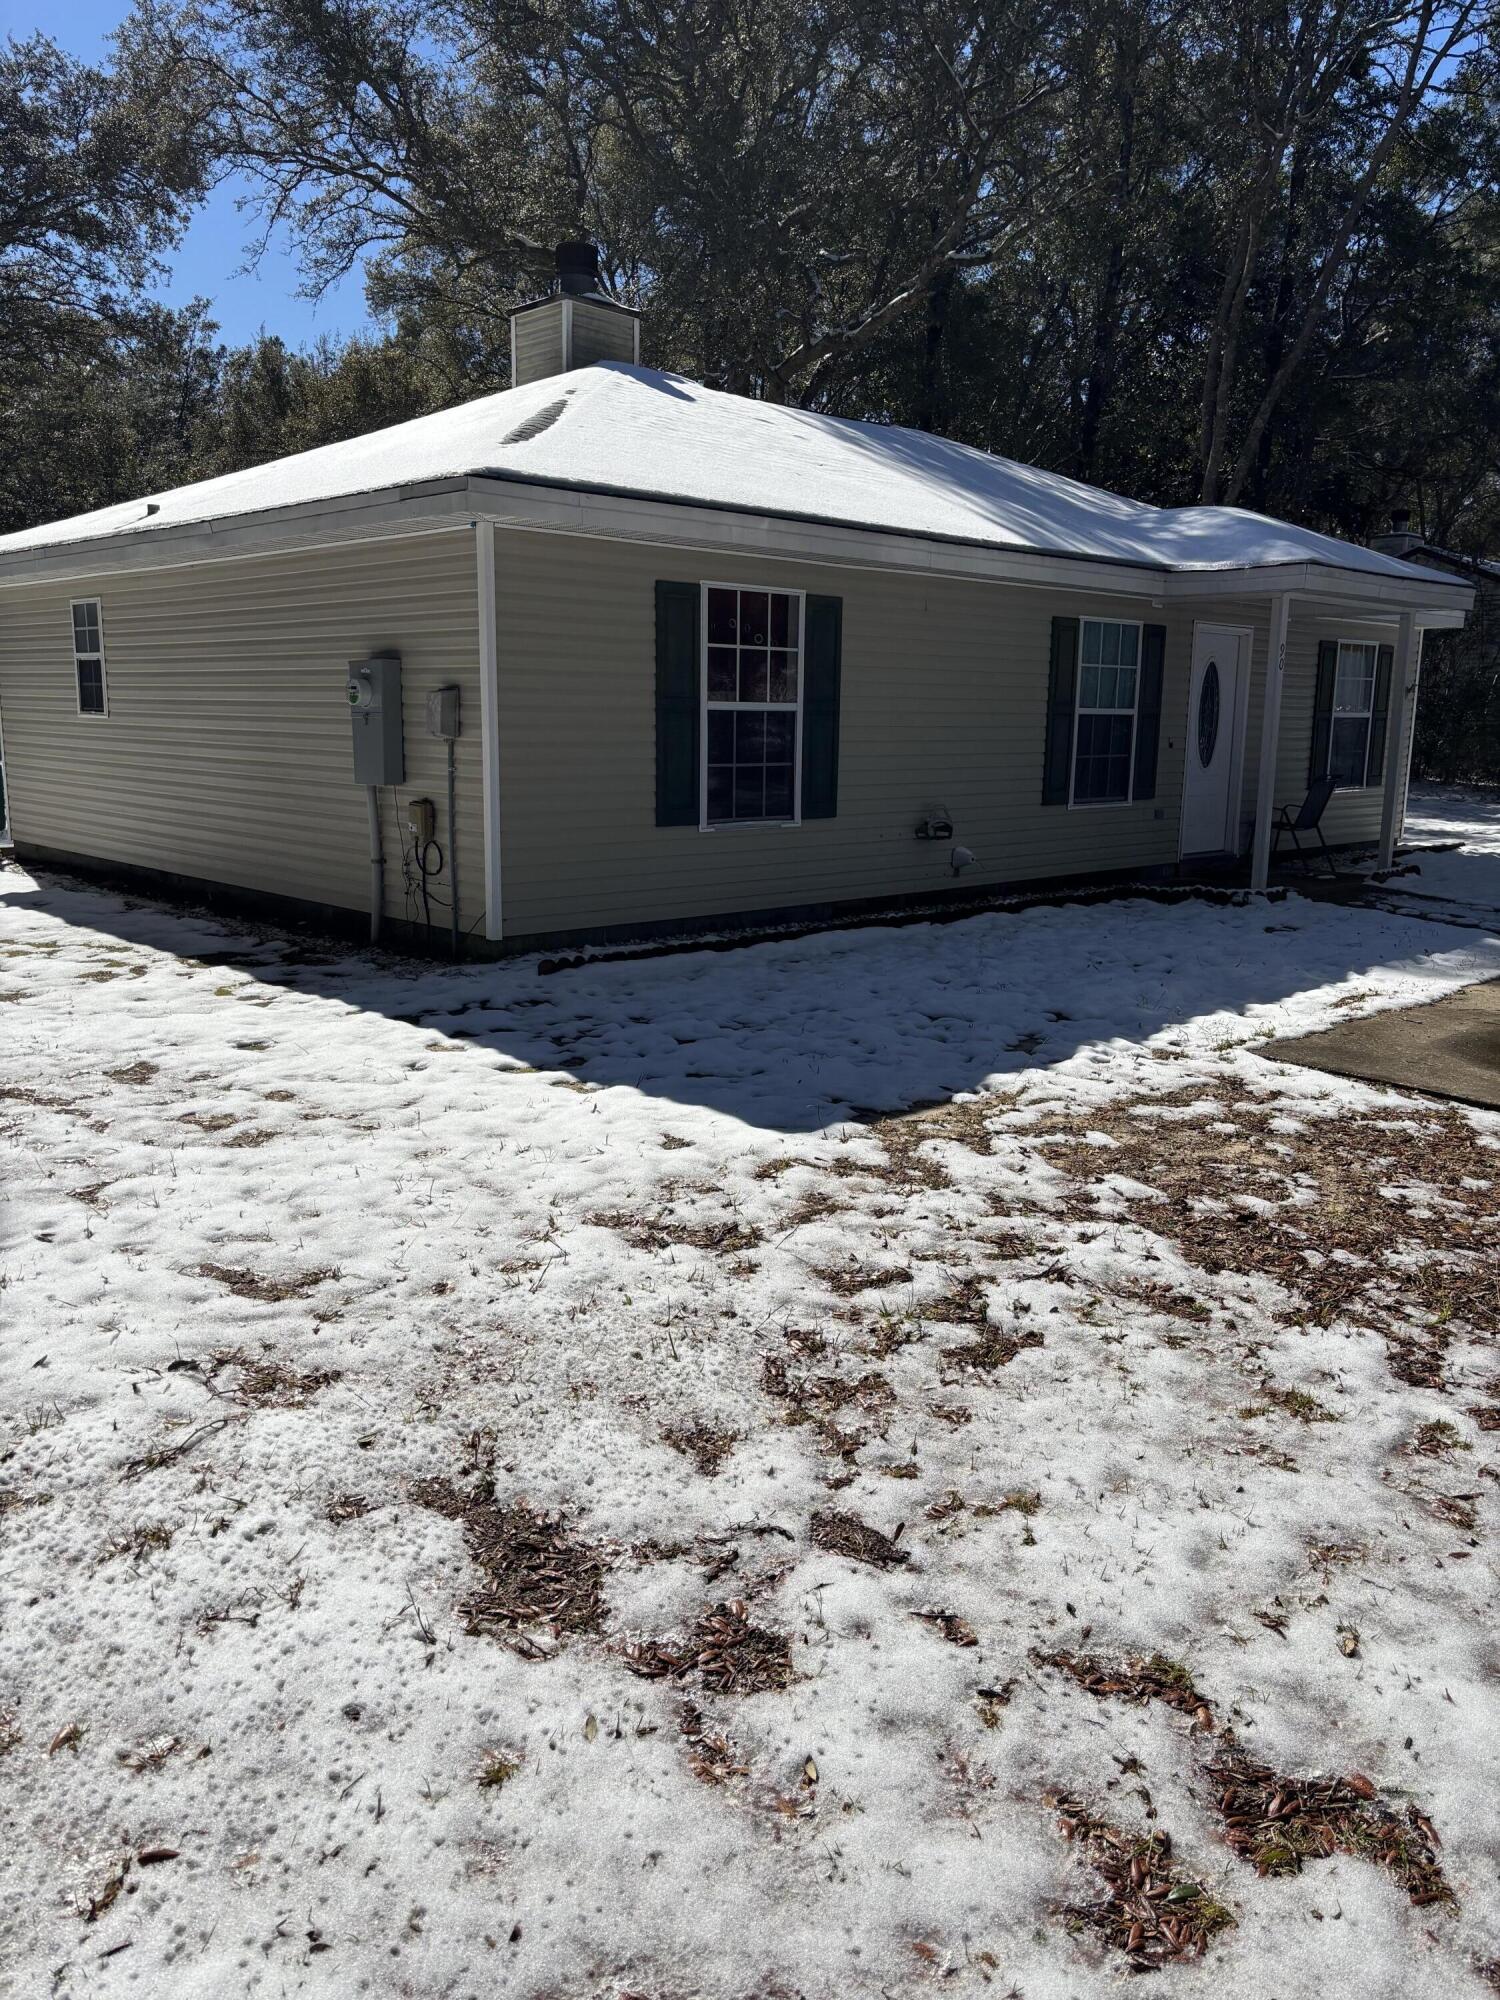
x=315 y=1266
x=1440 y=815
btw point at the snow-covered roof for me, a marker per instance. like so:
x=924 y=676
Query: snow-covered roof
x=621 y=429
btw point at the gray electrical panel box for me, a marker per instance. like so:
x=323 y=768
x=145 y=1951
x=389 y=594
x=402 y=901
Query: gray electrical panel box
x=375 y=711
x=442 y=712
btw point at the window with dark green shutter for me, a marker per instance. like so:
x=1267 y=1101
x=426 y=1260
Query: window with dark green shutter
x=1104 y=701
x=1351 y=712
x=747 y=705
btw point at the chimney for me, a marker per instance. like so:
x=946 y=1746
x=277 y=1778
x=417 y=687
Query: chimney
x=1400 y=541
x=574 y=325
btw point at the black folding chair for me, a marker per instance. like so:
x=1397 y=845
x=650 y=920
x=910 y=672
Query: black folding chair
x=1308 y=818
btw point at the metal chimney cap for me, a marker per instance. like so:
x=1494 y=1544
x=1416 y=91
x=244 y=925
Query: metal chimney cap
x=578 y=266
x=1400 y=520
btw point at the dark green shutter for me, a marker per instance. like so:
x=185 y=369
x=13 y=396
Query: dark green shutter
x=677 y=704
x=1148 y=710
x=1380 y=714
x=1062 y=702
x=1322 y=729
x=821 y=647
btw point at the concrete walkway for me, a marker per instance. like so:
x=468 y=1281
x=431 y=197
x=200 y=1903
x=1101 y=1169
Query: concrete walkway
x=1448 y=1048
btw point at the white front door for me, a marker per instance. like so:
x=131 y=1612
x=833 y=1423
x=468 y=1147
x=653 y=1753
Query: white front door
x=1215 y=726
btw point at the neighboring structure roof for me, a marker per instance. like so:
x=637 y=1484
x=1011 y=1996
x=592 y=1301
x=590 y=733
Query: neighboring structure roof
x=1424 y=553
x=621 y=429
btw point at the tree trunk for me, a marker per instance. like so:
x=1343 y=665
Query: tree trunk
x=1281 y=315
x=1105 y=348
x=933 y=410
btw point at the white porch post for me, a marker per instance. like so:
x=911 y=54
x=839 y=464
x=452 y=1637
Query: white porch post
x=1399 y=727
x=1270 y=736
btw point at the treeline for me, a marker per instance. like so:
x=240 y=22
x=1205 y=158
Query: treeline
x=1224 y=250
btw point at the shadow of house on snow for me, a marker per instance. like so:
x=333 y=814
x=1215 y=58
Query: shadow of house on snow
x=796 y=1035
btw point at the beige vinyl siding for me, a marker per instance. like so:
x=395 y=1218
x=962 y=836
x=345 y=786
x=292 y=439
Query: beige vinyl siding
x=943 y=702
x=601 y=334
x=1351 y=816
x=226 y=753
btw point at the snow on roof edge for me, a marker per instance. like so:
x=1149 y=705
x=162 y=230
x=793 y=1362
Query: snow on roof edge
x=638 y=433
x=1401 y=572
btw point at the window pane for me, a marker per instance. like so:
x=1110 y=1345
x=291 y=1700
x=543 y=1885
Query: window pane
x=1109 y=680
x=1109 y=645
x=750 y=739
x=1091 y=642
x=1088 y=689
x=721 y=673
x=755 y=627
x=721 y=620
x=1346 y=760
x=1130 y=642
x=783 y=677
x=91 y=687
x=720 y=791
x=1102 y=768
x=753 y=676
x=86 y=628
x=783 y=621
x=749 y=792
x=779 y=801
x=781 y=734
x=1355 y=682
x=1125 y=688
x=720 y=736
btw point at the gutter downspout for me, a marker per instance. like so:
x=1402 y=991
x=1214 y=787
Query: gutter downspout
x=1270 y=740
x=489 y=724
x=1398 y=753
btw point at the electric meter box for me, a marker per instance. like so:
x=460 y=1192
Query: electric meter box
x=442 y=712
x=375 y=712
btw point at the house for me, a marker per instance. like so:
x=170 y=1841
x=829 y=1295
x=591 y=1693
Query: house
x=611 y=651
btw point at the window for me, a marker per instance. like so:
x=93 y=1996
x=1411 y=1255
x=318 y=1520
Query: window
x=752 y=702
x=88 y=657
x=1109 y=660
x=1353 y=707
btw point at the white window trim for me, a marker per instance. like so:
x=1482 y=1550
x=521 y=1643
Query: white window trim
x=1365 y=715
x=89 y=714
x=1105 y=805
x=705 y=824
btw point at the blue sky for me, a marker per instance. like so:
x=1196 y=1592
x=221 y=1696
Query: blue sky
x=208 y=262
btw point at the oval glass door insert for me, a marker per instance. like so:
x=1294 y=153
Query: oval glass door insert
x=1208 y=714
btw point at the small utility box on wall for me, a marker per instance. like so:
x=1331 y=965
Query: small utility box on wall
x=375 y=712
x=442 y=713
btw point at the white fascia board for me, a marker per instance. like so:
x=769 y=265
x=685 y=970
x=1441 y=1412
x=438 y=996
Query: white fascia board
x=397 y=511
x=433 y=504
x=789 y=538
x=672 y=524
x=1438 y=602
